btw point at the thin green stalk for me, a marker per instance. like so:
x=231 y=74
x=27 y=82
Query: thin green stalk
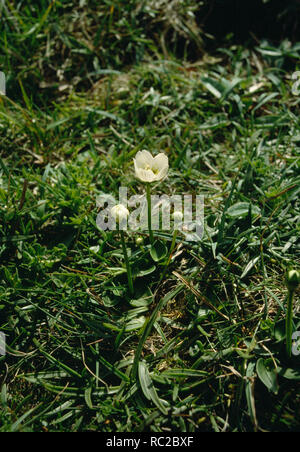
x=292 y=280
x=170 y=254
x=289 y=322
x=129 y=274
x=149 y=213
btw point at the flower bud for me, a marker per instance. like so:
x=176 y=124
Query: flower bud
x=119 y=212
x=139 y=240
x=292 y=279
x=177 y=216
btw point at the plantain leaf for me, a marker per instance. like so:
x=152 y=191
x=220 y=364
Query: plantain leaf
x=148 y=387
x=267 y=374
x=158 y=251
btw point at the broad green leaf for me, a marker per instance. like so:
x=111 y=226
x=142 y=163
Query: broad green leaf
x=148 y=387
x=135 y=324
x=158 y=251
x=88 y=397
x=142 y=268
x=279 y=330
x=241 y=210
x=289 y=374
x=249 y=390
x=267 y=374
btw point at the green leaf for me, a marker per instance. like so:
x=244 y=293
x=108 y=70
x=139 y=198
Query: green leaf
x=267 y=374
x=184 y=373
x=213 y=86
x=148 y=387
x=249 y=266
x=113 y=369
x=18 y=423
x=241 y=210
x=34 y=377
x=135 y=324
x=142 y=268
x=264 y=99
x=88 y=398
x=289 y=374
x=146 y=271
x=279 y=331
x=158 y=251
x=249 y=391
x=143 y=301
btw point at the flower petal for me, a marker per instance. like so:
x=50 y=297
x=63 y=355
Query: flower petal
x=161 y=174
x=143 y=158
x=145 y=175
x=161 y=166
x=160 y=161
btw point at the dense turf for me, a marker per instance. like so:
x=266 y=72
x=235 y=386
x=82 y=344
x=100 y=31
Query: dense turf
x=88 y=87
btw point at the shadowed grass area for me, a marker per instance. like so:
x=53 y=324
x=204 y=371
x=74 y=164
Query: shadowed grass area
x=87 y=88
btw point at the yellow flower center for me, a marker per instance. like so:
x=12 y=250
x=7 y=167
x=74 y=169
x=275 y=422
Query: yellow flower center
x=148 y=167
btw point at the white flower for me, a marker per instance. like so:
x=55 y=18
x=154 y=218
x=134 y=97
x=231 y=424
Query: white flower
x=149 y=168
x=119 y=212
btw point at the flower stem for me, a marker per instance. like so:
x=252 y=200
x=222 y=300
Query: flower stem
x=289 y=322
x=170 y=254
x=149 y=213
x=129 y=274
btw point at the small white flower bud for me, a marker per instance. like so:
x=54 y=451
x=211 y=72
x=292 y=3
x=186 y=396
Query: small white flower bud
x=292 y=279
x=119 y=212
x=177 y=216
